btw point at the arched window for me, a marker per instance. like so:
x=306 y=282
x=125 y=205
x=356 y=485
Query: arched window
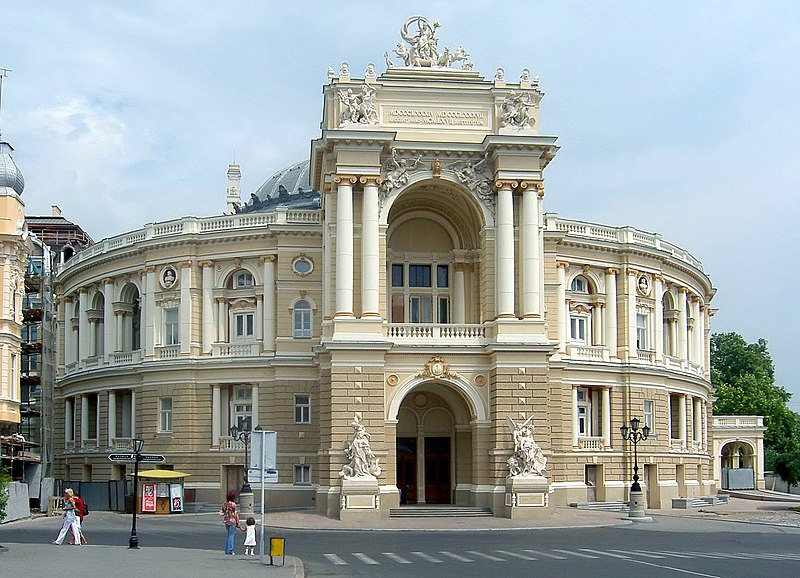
x=302 y=319
x=580 y=285
x=243 y=279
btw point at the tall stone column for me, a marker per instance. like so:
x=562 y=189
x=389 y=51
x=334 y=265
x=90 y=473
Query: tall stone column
x=459 y=294
x=269 y=302
x=697 y=332
x=575 y=428
x=109 y=319
x=84 y=331
x=59 y=337
x=504 y=250
x=69 y=417
x=185 y=311
x=562 y=315
x=597 y=325
x=344 y=245
x=697 y=421
x=209 y=331
x=148 y=310
x=370 y=263
x=611 y=311
x=606 y=392
x=659 y=318
x=222 y=320
x=683 y=328
x=84 y=419
x=215 y=415
x=631 y=314
x=133 y=414
x=93 y=330
x=682 y=420
x=254 y=414
x=531 y=249
x=112 y=418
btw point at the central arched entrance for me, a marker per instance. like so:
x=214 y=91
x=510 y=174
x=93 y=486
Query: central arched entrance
x=434 y=446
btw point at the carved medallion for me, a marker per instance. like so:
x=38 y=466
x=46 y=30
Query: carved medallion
x=437 y=367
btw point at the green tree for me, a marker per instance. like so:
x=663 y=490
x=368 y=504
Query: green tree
x=5 y=479
x=744 y=377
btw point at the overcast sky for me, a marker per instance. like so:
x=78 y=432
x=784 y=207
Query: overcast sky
x=681 y=118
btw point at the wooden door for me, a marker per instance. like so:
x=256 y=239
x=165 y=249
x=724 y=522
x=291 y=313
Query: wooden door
x=590 y=479
x=437 y=470
x=407 y=470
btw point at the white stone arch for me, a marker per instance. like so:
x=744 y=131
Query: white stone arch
x=311 y=302
x=455 y=238
x=126 y=294
x=447 y=176
x=477 y=407
x=226 y=271
x=590 y=276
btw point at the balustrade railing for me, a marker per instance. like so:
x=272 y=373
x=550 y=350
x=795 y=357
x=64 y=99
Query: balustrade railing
x=168 y=351
x=227 y=443
x=433 y=331
x=125 y=357
x=123 y=444
x=595 y=352
x=594 y=443
x=738 y=421
x=234 y=349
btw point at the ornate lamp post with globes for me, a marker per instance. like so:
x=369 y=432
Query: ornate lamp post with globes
x=243 y=434
x=635 y=435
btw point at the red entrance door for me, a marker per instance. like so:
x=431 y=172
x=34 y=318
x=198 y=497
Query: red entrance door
x=407 y=470
x=437 y=471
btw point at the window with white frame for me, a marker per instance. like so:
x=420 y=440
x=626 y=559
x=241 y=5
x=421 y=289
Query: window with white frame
x=647 y=411
x=244 y=326
x=579 y=285
x=171 y=327
x=302 y=474
x=302 y=319
x=578 y=328
x=165 y=414
x=242 y=407
x=641 y=331
x=420 y=293
x=584 y=413
x=243 y=279
x=302 y=409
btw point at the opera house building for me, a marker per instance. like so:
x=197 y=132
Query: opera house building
x=405 y=283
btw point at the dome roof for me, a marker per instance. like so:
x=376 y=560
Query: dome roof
x=289 y=187
x=11 y=180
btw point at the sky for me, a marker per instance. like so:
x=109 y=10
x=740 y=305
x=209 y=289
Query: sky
x=680 y=118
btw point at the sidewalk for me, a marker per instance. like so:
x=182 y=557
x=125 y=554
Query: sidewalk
x=113 y=561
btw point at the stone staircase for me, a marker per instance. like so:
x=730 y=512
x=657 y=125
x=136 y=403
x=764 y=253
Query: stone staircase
x=699 y=502
x=437 y=511
x=602 y=506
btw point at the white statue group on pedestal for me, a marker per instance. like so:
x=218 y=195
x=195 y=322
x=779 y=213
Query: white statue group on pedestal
x=363 y=463
x=528 y=458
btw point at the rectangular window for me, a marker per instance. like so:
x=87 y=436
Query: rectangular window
x=302 y=409
x=641 y=331
x=397 y=275
x=442 y=279
x=302 y=322
x=398 y=308
x=165 y=414
x=648 y=415
x=577 y=329
x=419 y=275
x=171 y=333
x=420 y=306
x=242 y=407
x=302 y=475
x=583 y=420
x=444 y=310
x=244 y=326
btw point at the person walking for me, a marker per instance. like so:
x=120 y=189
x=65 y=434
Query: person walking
x=250 y=537
x=230 y=515
x=80 y=512
x=70 y=520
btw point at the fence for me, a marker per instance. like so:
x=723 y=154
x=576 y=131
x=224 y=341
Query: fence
x=108 y=496
x=738 y=479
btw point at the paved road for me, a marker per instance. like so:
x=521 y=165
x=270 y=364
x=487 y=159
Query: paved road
x=670 y=546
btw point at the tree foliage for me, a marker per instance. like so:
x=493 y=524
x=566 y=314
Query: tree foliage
x=5 y=478
x=744 y=377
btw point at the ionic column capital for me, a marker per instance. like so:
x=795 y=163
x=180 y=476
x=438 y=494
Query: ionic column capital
x=633 y=271
x=612 y=271
x=206 y=263
x=266 y=258
x=682 y=290
x=346 y=179
x=146 y=269
x=108 y=281
x=370 y=180
x=562 y=264
x=184 y=264
x=503 y=184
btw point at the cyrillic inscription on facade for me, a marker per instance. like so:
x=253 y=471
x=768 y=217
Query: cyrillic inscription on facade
x=406 y=115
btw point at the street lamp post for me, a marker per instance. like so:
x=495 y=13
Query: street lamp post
x=635 y=435
x=243 y=434
x=133 y=542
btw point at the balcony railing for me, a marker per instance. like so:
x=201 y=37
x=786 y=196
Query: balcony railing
x=676 y=445
x=672 y=362
x=592 y=443
x=123 y=444
x=227 y=443
x=593 y=352
x=234 y=349
x=462 y=333
x=645 y=355
x=738 y=421
x=168 y=351
x=89 y=444
x=125 y=357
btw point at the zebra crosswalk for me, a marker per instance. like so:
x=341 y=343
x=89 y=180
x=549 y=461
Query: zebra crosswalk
x=499 y=556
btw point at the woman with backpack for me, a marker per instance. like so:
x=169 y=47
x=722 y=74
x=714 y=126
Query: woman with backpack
x=70 y=520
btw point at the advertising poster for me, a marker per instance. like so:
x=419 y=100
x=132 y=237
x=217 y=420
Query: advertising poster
x=162 y=490
x=176 y=498
x=148 y=498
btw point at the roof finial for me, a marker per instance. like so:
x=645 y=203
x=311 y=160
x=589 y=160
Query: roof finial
x=3 y=73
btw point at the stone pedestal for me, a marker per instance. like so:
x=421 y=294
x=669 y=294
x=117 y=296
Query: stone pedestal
x=246 y=504
x=527 y=497
x=360 y=499
x=637 y=510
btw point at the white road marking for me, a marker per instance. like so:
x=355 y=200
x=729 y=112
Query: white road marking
x=515 y=555
x=578 y=554
x=427 y=558
x=545 y=554
x=674 y=569
x=639 y=553
x=335 y=559
x=620 y=556
x=364 y=558
x=487 y=556
x=396 y=558
x=456 y=557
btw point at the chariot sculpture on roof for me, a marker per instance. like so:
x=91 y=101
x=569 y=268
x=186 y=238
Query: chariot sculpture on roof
x=423 y=47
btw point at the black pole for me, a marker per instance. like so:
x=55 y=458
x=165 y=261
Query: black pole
x=133 y=543
x=635 y=487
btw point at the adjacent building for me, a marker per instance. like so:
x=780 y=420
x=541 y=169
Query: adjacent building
x=405 y=276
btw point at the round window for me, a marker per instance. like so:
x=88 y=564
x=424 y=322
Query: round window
x=302 y=266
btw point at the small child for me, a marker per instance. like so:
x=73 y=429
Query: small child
x=250 y=537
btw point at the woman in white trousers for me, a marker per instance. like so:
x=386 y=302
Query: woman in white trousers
x=70 y=520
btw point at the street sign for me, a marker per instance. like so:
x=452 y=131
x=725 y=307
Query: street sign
x=150 y=458
x=269 y=439
x=270 y=476
x=122 y=457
